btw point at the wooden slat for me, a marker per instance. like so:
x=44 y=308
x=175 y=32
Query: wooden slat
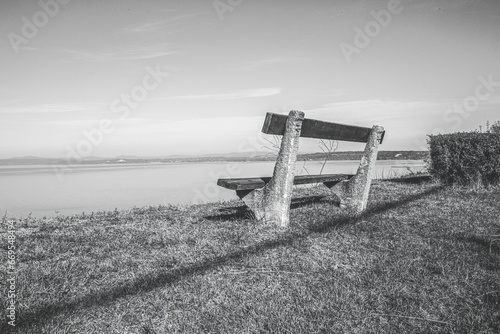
x=259 y=182
x=305 y=179
x=242 y=184
x=275 y=124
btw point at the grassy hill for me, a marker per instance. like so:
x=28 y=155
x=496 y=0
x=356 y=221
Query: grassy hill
x=422 y=259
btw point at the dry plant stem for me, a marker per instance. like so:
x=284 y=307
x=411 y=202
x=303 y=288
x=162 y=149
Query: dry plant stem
x=327 y=149
x=487 y=293
x=408 y=317
x=265 y=271
x=274 y=145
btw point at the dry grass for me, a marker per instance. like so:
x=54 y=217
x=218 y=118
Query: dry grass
x=423 y=259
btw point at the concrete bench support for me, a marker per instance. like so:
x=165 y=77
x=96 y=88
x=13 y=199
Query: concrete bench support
x=353 y=193
x=272 y=203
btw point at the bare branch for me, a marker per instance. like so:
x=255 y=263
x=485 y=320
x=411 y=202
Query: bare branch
x=328 y=147
x=274 y=145
x=407 y=317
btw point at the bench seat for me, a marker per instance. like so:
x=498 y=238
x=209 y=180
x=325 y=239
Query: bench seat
x=244 y=185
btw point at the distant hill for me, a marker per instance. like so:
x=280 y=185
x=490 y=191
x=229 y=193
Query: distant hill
x=30 y=160
x=247 y=156
x=236 y=154
x=356 y=155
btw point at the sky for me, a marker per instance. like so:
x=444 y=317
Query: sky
x=157 y=78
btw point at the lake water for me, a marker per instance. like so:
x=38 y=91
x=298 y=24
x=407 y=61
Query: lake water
x=40 y=191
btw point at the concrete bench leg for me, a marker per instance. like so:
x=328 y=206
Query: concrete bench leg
x=353 y=193
x=272 y=203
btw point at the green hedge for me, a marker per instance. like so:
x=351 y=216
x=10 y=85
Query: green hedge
x=465 y=158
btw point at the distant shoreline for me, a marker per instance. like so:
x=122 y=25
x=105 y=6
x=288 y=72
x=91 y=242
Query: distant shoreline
x=258 y=156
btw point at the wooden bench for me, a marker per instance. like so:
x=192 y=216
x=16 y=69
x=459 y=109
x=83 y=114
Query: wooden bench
x=269 y=197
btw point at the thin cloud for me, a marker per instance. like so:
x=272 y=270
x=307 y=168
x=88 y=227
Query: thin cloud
x=438 y=6
x=373 y=111
x=249 y=93
x=272 y=61
x=369 y=104
x=160 y=25
x=337 y=93
x=28 y=48
x=50 y=108
x=145 y=27
x=130 y=53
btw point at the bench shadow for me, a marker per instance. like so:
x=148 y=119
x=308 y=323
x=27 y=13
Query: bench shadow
x=305 y=201
x=231 y=212
x=490 y=246
x=148 y=282
x=417 y=179
x=243 y=212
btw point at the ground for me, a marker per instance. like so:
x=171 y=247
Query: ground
x=422 y=259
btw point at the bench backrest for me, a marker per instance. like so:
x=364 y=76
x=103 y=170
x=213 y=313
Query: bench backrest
x=275 y=124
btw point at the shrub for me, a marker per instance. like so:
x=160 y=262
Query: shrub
x=466 y=158
x=495 y=128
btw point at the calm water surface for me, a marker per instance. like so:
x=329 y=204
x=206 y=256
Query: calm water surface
x=38 y=189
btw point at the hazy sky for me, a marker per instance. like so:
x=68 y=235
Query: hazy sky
x=196 y=77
